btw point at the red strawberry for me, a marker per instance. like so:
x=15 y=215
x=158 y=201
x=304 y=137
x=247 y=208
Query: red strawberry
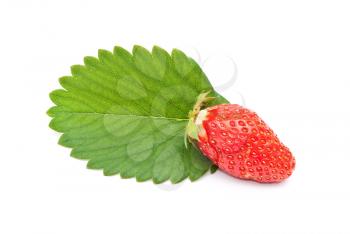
x=240 y=143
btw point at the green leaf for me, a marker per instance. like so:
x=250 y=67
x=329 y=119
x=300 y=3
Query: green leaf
x=127 y=113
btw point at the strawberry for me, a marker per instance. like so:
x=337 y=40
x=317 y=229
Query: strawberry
x=239 y=142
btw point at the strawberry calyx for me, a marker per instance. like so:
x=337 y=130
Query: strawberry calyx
x=192 y=129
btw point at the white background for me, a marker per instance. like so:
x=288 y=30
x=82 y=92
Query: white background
x=293 y=61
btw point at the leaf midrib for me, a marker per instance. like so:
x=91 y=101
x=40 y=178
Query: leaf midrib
x=119 y=115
